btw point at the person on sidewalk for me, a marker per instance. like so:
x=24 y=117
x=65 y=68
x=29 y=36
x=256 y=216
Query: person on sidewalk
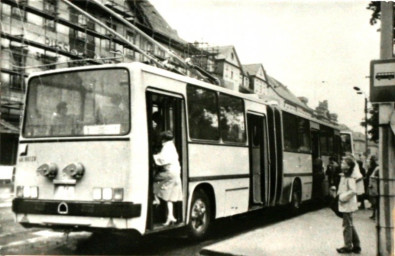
x=347 y=193
x=374 y=191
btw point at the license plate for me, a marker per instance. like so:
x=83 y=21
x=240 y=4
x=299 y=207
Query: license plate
x=64 y=192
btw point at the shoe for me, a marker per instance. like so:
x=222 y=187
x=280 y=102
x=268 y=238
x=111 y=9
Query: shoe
x=169 y=221
x=357 y=250
x=344 y=250
x=372 y=217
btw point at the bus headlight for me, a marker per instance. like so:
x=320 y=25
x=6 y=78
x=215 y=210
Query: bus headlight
x=34 y=192
x=27 y=192
x=96 y=194
x=107 y=193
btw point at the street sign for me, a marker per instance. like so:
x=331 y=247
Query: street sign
x=382 y=81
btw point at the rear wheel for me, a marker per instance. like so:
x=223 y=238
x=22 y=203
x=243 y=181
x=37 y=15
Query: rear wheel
x=200 y=215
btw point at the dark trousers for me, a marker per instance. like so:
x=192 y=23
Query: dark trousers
x=351 y=238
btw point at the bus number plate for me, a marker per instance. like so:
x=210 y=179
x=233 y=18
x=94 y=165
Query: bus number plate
x=64 y=192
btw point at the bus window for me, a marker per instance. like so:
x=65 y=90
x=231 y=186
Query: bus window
x=202 y=113
x=290 y=133
x=231 y=114
x=324 y=140
x=303 y=135
x=92 y=102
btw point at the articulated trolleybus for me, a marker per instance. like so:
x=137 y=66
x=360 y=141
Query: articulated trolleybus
x=85 y=155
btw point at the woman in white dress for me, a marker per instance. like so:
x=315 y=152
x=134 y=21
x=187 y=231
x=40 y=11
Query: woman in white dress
x=167 y=184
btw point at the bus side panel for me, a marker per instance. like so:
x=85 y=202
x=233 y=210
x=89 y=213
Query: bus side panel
x=226 y=169
x=212 y=160
x=231 y=195
x=297 y=165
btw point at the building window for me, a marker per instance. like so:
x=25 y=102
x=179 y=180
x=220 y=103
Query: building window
x=48 y=61
x=82 y=20
x=110 y=45
x=80 y=35
x=18 y=13
x=131 y=38
x=18 y=57
x=50 y=6
x=50 y=24
x=232 y=56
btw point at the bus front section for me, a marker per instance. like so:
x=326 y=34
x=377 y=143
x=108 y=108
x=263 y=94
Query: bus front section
x=74 y=160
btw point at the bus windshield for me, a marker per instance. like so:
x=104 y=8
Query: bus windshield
x=78 y=103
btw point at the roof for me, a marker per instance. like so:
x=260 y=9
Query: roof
x=156 y=21
x=252 y=69
x=286 y=94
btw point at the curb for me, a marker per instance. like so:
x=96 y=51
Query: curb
x=208 y=252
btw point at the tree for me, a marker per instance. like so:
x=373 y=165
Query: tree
x=373 y=122
x=376 y=8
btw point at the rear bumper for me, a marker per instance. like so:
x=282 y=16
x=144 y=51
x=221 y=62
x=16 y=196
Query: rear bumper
x=76 y=208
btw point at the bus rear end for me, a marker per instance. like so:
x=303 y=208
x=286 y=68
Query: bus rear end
x=74 y=160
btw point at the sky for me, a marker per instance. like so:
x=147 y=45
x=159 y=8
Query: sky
x=318 y=49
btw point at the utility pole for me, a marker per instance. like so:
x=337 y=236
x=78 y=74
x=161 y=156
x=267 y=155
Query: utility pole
x=366 y=132
x=386 y=205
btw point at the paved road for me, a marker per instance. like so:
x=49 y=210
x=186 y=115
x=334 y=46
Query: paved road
x=16 y=240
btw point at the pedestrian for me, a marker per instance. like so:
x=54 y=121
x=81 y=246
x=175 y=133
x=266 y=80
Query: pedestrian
x=318 y=177
x=362 y=196
x=167 y=184
x=347 y=193
x=357 y=175
x=372 y=166
x=374 y=191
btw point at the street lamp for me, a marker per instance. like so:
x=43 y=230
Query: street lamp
x=359 y=91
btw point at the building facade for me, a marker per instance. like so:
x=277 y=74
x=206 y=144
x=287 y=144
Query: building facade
x=38 y=35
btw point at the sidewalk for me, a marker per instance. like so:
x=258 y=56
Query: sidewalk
x=310 y=234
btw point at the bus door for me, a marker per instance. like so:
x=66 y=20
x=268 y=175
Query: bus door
x=273 y=163
x=165 y=111
x=256 y=124
x=279 y=155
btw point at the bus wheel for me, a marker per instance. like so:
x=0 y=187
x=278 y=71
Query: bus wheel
x=296 y=198
x=200 y=215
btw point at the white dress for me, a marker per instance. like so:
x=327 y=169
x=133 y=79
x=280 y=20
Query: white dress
x=168 y=182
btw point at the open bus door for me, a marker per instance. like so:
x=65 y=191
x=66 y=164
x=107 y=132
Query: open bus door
x=170 y=109
x=257 y=140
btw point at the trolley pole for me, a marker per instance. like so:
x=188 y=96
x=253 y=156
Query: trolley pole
x=385 y=223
